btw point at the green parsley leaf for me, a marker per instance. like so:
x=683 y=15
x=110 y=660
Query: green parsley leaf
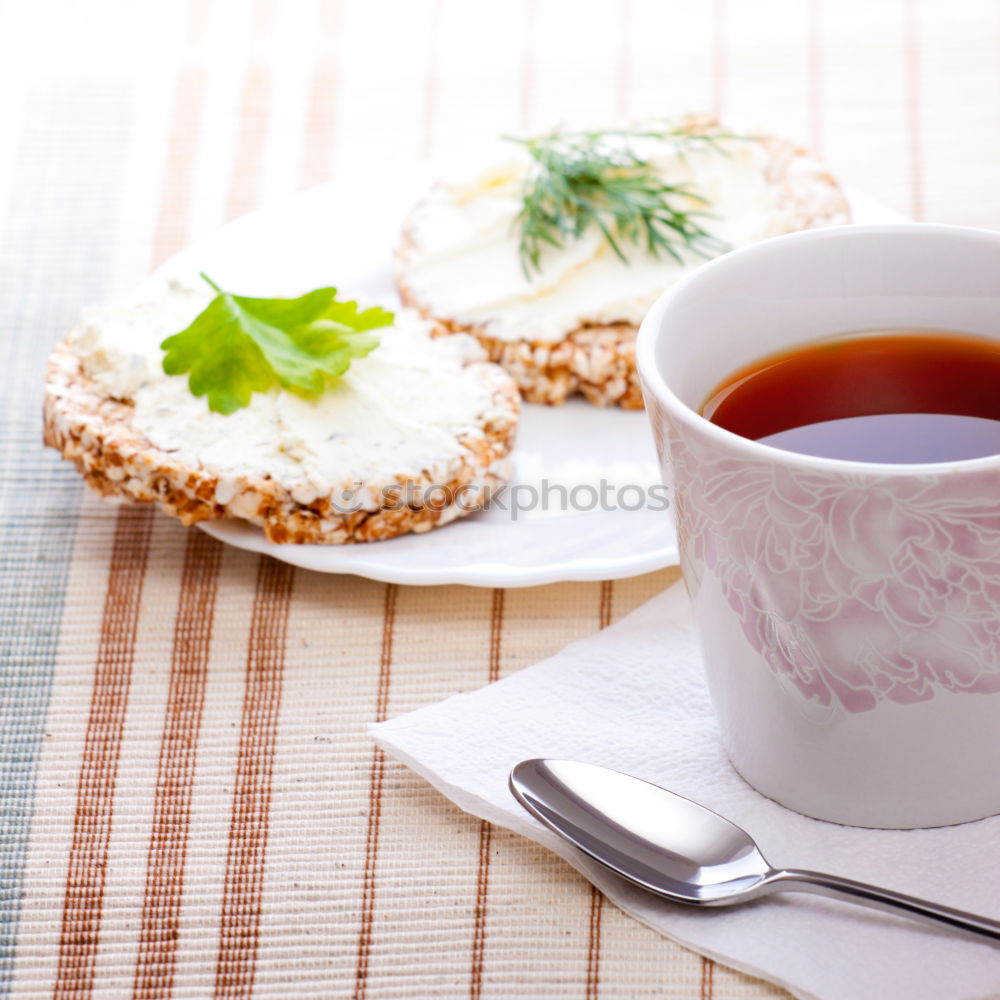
x=238 y=345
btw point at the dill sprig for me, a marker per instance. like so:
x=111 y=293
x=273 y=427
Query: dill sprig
x=580 y=179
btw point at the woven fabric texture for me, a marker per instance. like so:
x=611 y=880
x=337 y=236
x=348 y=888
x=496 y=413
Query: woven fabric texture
x=190 y=808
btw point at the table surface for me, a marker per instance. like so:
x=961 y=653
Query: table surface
x=191 y=807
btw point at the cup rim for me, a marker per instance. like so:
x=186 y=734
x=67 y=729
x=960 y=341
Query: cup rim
x=654 y=383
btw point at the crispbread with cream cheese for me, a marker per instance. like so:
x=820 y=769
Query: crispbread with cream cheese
x=413 y=436
x=571 y=327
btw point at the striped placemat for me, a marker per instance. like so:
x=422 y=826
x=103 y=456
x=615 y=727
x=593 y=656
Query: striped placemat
x=189 y=806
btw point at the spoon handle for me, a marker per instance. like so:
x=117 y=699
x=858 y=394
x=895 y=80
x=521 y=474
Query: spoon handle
x=883 y=899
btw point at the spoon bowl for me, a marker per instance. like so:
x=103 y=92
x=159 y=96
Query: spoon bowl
x=681 y=851
x=663 y=842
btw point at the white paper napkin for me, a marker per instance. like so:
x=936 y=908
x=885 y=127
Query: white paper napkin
x=632 y=697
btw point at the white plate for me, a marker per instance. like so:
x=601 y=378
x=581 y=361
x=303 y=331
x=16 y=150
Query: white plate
x=343 y=233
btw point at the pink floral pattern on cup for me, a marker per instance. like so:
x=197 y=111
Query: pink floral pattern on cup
x=856 y=588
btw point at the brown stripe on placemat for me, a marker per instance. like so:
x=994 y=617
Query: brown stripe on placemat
x=496 y=633
x=625 y=28
x=171 y=233
x=913 y=110
x=606 y=603
x=161 y=906
x=707 y=984
x=167 y=851
x=321 y=113
x=479 y=913
x=375 y=779
x=95 y=796
x=604 y=610
x=528 y=62
x=171 y=228
x=431 y=82
x=815 y=56
x=718 y=57
x=485 y=829
x=254 y=108
x=594 y=943
x=239 y=932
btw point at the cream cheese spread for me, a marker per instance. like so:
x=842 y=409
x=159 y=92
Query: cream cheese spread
x=397 y=412
x=461 y=261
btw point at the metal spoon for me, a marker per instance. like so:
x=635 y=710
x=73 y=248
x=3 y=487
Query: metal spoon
x=682 y=851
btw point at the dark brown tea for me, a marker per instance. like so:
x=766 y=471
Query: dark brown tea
x=870 y=397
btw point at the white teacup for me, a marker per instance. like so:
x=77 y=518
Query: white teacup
x=849 y=612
